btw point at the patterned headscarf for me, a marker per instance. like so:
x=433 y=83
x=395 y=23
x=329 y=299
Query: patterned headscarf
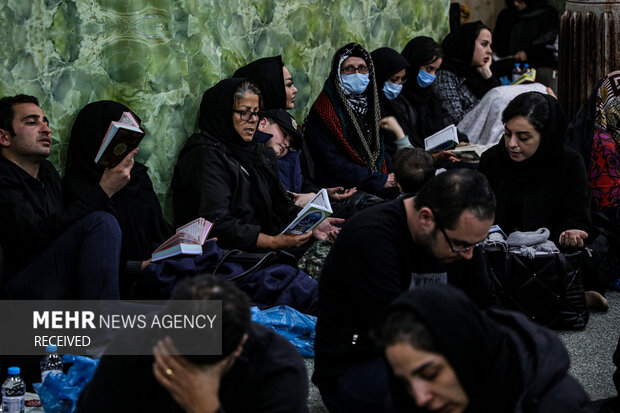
x=353 y=118
x=607 y=116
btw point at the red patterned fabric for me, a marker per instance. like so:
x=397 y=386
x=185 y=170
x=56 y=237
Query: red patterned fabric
x=604 y=174
x=328 y=115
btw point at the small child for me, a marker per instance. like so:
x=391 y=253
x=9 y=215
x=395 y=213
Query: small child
x=413 y=167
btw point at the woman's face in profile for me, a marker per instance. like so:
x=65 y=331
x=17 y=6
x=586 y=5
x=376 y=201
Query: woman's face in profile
x=290 y=88
x=245 y=116
x=482 y=48
x=428 y=377
x=521 y=139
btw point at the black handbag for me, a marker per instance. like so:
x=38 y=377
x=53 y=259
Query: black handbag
x=546 y=288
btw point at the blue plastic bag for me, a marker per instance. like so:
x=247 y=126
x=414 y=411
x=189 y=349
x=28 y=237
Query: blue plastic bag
x=297 y=327
x=60 y=392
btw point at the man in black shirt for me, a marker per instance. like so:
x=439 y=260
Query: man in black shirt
x=51 y=252
x=258 y=370
x=381 y=252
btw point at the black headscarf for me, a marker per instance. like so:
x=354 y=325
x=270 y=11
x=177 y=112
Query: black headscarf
x=459 y=49
x=268 y=76
x=136 y=206
x=387 y=63
x=477 y=348
x=215 y=119
x=419 y=51
x=548 y=153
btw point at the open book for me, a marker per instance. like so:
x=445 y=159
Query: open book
x=468 y=152
x=528 y=76
x=445 y=139
x=187 y=240
x=121 y=138
x=312 y=215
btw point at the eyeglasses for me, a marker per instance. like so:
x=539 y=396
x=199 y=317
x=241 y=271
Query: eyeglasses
x=246 y=115
x=449 y=241
x=348 y=70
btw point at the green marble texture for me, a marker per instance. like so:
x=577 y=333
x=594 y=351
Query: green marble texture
x=159 y=56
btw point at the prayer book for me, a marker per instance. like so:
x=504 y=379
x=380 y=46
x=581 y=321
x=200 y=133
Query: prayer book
x=529 y=76
x=445 y=139
x=121 y=138
x=187 y=240
x=311 y=215
x=468 y=152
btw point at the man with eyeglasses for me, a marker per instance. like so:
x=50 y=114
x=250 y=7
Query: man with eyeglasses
x=396 y=246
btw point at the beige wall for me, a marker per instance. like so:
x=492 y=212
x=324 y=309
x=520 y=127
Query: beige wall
x=485 y=10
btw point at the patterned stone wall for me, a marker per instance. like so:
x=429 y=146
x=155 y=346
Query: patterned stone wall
x=158 y=56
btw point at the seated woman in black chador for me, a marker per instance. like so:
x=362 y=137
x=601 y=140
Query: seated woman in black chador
x=226 y=177
x=537 y=180
x=425 y=58
x=135 y=207
x=447 y=355
x=398 y=117
x=342 y=129
x=527 y=30
x=465 y=75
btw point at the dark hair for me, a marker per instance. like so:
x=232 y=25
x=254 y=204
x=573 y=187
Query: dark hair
x=532 y=106
x=235 y=311
x=413 y=167
x=480 y=27
x=401 y=326
x=6 y=109
x=450 y=193
x=245 y=87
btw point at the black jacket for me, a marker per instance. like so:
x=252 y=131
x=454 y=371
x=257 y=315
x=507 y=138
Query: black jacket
x=353 y=292
x=558 y=199
x=268 y=376
x=31 y=212
x=210 y=182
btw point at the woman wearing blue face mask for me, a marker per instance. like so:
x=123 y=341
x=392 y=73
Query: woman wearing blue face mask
x=399 y=118
x=342 y=128
x=425 y=58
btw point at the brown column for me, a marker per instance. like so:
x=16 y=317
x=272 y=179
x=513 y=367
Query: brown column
x=589 y=48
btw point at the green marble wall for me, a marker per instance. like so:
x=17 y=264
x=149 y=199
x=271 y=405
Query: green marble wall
x=158 y=56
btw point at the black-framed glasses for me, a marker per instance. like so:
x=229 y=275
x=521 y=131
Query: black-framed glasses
x=350 y=69
x=246 y=115
x=449 y=241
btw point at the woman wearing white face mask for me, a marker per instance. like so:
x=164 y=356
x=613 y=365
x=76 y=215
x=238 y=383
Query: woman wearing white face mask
x=342 y=128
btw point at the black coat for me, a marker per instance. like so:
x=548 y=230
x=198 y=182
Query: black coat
x=32 y=214
x=210 y=182
x=268 y=376
x=558 y=199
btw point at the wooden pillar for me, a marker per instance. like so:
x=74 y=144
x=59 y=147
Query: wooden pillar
x=589 y=48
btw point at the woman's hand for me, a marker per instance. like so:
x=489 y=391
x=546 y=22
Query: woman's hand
x=445 y=155
x=194 y=388
x=275 y=242
x=390 y=123
x=390 y=181
x=573 y=238
x=327 y=230
x=301 y=200
x=485 y=70
x=339 y=193
x=521 y=56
